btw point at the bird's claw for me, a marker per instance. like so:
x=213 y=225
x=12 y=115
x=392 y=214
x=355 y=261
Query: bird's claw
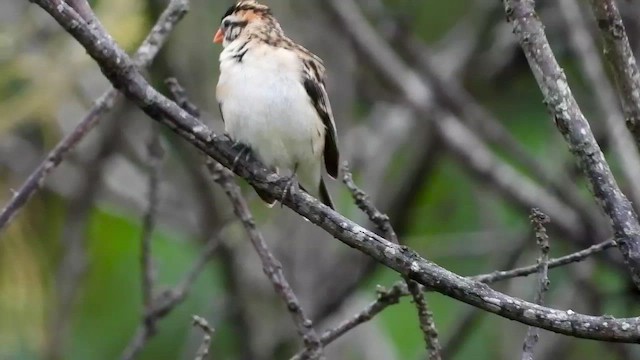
x=290 y=188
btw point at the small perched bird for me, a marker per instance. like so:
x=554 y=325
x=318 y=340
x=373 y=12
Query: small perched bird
x=272 y=97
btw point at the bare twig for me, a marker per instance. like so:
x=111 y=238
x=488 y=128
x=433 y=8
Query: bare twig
x=425 y=317
x=142 y=58
x=363 y=201
x=620 y=56
x=385 y=299
x=165 y=302
x=119 y=69
x=538 y=219
x=576 y=131
x=427 y=324
x=581 y=255
x=270 y=265
x=156 y=154
x=203 y=350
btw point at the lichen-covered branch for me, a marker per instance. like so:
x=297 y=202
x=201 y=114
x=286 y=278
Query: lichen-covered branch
x=574 y=127
x=619 y=54
x=121 y=71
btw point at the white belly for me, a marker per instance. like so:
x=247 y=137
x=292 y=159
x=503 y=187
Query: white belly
x=265 y=105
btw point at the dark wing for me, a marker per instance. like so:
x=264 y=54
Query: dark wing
x=315 y=87
x=221 y=113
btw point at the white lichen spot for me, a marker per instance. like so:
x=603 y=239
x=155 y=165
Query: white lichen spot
x=605 y=324
x=625 y=326
x=587 y=325
x=390 y=251
x=493 y=303
x=529 y=314
x=415 y=267
x=570 y=312
x=583 y=131
x=200 y=129
x=60 y=8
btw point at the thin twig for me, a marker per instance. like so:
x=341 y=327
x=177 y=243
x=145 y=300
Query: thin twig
x=581 y=255
x=425 y=317
x=538 y=219
x=575 y=128
x=142 y=58
x=156 y=154
x=203 y=350
x=165 y=302
x=385 y=299
x=270 y=265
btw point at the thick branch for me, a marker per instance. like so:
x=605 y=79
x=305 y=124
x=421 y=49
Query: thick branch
x=120 y=70
x=620 y=56
x=576 y=131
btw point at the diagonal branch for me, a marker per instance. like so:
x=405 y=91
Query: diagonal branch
x=142 y=58
x=120 y=70
x=588 y=58
x=425 y=316
x=620 y=56
x=270 y=265
x=574 y=127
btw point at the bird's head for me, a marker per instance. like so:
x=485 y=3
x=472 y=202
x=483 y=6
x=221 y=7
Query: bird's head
x=244 y=16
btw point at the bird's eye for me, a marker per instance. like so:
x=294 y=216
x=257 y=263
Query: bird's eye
x=226 y=23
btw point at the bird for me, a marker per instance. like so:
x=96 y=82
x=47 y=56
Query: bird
x=272 y=96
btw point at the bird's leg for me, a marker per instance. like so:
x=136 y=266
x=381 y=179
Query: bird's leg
x=291 y=185
x=243 y=150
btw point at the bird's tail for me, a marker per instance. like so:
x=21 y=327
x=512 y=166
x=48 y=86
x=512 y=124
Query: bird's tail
x=324 y=196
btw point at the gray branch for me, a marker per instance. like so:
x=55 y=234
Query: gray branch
x=120 y=70
x=620 y=56
x=574 y=127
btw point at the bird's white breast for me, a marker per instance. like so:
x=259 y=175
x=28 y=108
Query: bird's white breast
x=265 y=105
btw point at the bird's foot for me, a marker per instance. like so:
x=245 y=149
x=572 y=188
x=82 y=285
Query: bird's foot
x=290 y=188
x=244 y=151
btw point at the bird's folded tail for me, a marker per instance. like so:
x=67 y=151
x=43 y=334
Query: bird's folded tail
x=325 y=198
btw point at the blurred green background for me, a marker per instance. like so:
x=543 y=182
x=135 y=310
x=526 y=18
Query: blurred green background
x=453 y=217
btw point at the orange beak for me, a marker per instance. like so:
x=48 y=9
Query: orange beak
x=219 y=37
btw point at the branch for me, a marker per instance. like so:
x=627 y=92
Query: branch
x=156 y=154
x=385 y=299
x=588 y=57
x=120 y=70
x=141 y=59
x=399 y=289
x=270 y=265
x=203 y=350
x=425 y=317
x=456 y=136
x=576 y=131
x=538 y=219
x=623 y=64
x=553 y=263
x=164 y=303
